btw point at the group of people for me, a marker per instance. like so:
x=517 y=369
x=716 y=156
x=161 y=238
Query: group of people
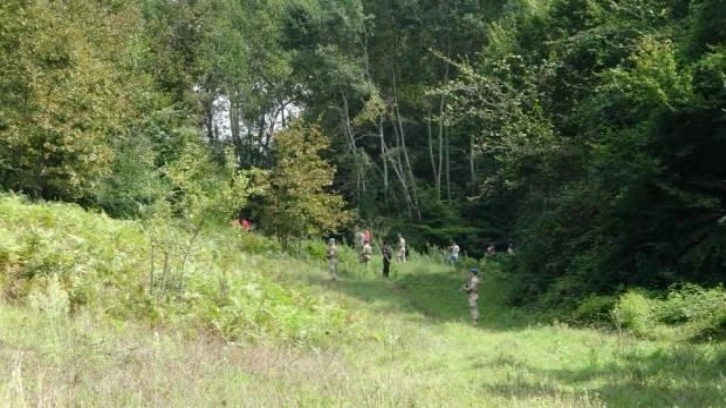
x=363 y=240
x=492 y=248
x=363 y=246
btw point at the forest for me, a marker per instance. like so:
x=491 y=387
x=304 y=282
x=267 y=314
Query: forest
x=591 y=133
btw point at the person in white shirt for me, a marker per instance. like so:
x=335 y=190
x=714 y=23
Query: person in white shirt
x=366 y=253
x=401 y=250
x=454 y=253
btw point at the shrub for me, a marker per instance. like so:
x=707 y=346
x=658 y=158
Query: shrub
x=252 y=243
x=594 y=309
x=52 y=300
x=690 y=302
x=633 y=311
x=688 y=312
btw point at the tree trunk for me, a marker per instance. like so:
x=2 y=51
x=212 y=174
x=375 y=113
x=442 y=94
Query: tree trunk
x=384 y=159
x=209 y=120
x=235 y=128
x=472 y=164
x=448 y=166
x=431 y=153
x=398 y=168
x=353 y=149
x=402 y=139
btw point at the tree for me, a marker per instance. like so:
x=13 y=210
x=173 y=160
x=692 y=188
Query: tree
x=297 y=202
x=66 y=90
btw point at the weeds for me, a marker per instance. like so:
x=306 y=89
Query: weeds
x=63 y=259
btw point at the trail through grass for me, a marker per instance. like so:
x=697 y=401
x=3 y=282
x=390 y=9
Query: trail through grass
x=410 y=344
x=514 y=360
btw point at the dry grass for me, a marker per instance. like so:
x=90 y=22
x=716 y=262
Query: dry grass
x=81 y=363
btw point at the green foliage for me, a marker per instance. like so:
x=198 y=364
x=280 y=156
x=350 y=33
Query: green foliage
x=134 y=181
x=202 y=191
x=414 y=334
x=690 y=302
x=589 y=132
x=594 y=309
x=623 y=148
x=60 y=259
x=297 y=203
x=198 y=194
x=282 y=321
x=689 y=312
x=67 y=92
x=633 y=312
x=178 y=36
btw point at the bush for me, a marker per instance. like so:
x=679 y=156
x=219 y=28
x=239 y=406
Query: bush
x=594 y=309
x=688 y=312
x=252 y=243
x=633 y=311
x=690 y=302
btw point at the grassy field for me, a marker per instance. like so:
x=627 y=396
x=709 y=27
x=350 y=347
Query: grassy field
x=402 y=342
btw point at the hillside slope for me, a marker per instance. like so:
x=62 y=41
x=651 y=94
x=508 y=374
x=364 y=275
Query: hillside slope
x=85 y=322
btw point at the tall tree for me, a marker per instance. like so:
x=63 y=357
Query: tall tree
x=298 y=202
x=68 y=89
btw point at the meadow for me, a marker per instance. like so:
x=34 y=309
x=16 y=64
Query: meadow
x=99 y=312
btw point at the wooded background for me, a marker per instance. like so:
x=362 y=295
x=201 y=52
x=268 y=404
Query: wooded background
x=592 y=133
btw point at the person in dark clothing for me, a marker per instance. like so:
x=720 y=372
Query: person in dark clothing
x=387 y=256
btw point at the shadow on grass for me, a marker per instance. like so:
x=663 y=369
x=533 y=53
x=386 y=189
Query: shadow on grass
x=435 y=296
x=679 y=377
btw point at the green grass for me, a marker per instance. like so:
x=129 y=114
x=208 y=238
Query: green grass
x=254 y=326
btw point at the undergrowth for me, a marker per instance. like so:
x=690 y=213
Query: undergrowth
x=688 y=312
x=224 y=283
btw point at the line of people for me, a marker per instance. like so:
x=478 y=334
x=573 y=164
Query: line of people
x=363 y=245
x=364 y=248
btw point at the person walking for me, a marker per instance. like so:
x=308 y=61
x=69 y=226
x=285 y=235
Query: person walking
x=387 y=253
x=332 y=255
x=472 y=289
x=401 y=250
x=366 y=253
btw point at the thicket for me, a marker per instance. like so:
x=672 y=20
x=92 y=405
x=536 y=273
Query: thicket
x=627 y=189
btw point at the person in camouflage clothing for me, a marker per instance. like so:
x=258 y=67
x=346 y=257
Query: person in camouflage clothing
x=332 y=255
x=472 y=289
